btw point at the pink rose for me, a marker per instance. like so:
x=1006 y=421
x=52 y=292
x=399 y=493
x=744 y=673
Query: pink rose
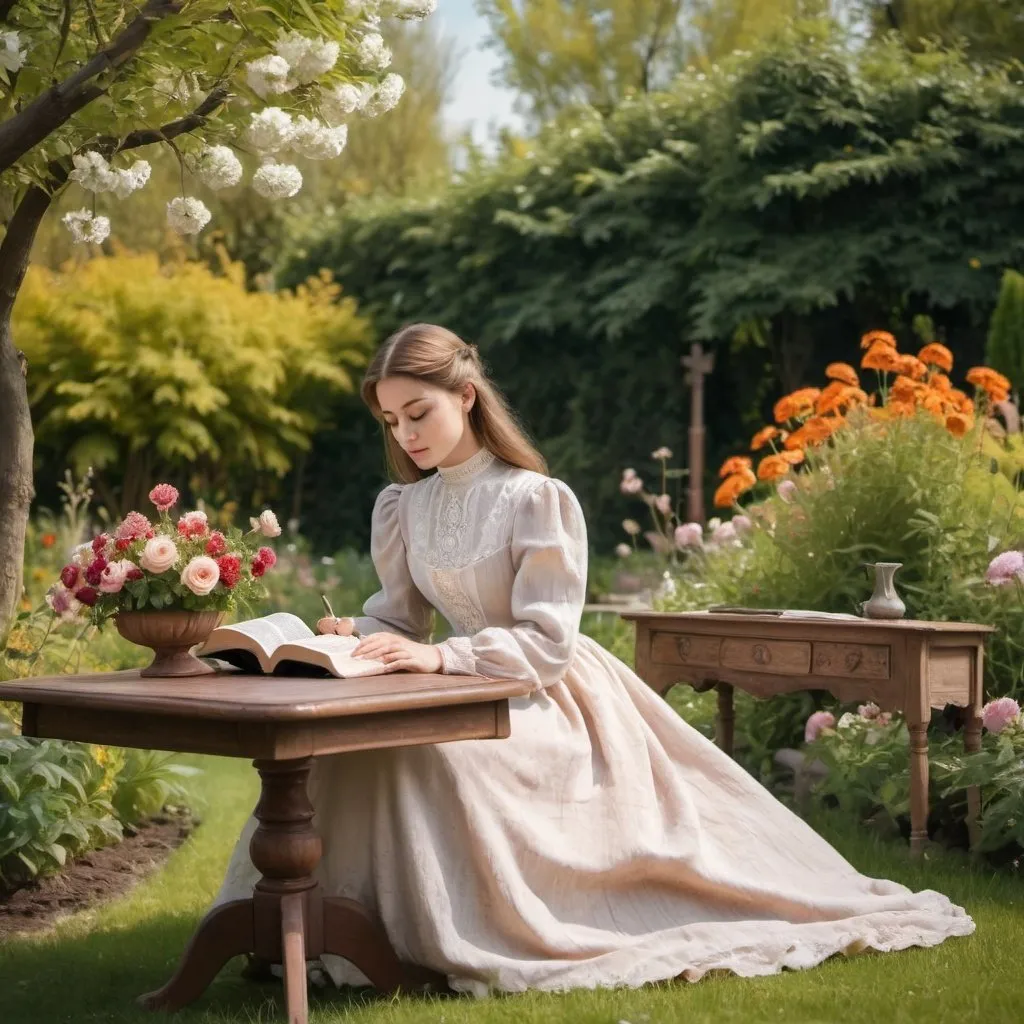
x=201 y=575
x=1005 y=568
x=163 y=496
x=996 y=715
x=267 y=524
x=816 y=723
x=113 y=577
x=689 y=535
x=159 y=554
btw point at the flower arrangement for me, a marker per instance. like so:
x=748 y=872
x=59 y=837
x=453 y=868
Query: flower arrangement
x=164 y=565
x=808 y=417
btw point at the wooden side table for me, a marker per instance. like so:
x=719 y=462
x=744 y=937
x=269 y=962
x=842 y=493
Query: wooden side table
x=282 y=724
x=902 y=665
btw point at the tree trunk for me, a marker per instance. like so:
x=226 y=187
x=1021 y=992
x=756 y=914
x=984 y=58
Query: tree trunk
x=16 y=438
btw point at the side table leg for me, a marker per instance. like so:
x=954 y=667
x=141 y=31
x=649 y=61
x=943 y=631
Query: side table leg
x=726 y=718
x=918 y=787
x=972 y=743
x=225 y=932
x=293 y=944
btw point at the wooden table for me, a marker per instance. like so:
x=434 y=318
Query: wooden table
x=282 y=723
x=901 y=665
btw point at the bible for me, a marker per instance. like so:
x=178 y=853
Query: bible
x=282 y=644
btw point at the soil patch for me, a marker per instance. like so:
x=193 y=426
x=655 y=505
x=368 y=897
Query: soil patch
x=93 y=878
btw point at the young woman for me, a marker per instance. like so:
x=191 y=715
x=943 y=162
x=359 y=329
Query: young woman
x=606 y=842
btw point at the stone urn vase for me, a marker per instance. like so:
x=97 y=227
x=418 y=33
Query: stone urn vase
x=170 y=635
x=884 y=603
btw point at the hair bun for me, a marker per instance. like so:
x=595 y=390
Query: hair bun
x=469 y=352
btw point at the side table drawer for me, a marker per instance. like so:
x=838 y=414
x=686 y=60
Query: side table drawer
x=860 y=661
x=777 y=657
x=685 y=649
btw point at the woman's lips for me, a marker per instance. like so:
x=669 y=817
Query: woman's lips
x=417 y=451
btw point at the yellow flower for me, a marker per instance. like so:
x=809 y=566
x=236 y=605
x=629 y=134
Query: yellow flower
x=974 y=263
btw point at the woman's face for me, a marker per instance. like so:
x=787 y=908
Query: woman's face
x=427 y=421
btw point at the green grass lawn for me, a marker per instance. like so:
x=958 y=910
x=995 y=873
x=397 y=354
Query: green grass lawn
x=91 y=966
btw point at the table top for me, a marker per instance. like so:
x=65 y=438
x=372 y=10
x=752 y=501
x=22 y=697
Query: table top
x=239 y=697
x=794 y=620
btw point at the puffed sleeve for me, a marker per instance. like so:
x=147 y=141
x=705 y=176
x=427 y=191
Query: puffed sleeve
x=398 y=607
x=549 y=555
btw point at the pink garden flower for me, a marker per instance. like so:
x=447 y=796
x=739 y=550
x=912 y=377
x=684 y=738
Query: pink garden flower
x=192 y=524
x=689 y=535
x=164 y=496
x=201 y=575
x=663 y=503
x=1005 y=568
x=724 y=533
x=135 y=526
x=631 y=483
x=267 y=557
x=997 y=714
x=114 y=576
x=742 y=524
x=870 y=710
x=623 y=550
x=816 y=723
x=787 y=490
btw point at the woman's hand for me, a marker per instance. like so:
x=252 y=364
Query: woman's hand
x=399 y=653
x=341 y=627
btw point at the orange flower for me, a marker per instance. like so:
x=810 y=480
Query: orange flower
x=934 y=402
x=904 y=389
x=793 y=456
x=940 y=382
x=904 y=409
x=813 y=432
x=881 y=357
x=771 y=467
x=958 y=424
x=842 y=372
x=733 y=486
x=912 y=367
x=993 y=383
x=796 y=405
x=960 y=401
x=827 y=399
x=735 y=464
x=937 y=355
x=763 y=436
x=48 y=540
x=842 y=398
x=873 y=338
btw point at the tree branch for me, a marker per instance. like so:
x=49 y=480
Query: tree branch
x=171 y=130
x=49 y=111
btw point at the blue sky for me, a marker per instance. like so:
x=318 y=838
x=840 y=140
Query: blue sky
x=475 y=100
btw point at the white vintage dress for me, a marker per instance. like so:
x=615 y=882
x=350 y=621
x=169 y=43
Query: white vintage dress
x=606 y=842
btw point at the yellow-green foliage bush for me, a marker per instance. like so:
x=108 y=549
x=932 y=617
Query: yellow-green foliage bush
x=152 y=372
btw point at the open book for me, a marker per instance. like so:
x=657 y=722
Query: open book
x=282 y=644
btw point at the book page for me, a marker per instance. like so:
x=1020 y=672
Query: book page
x=332 y=650
x=269 y=632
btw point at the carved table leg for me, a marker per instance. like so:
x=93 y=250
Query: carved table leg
x=294 y=960
x=972 y=743
x=918 y=786
x=726 y=718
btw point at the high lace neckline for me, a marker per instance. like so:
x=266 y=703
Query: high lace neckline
x=466 y=470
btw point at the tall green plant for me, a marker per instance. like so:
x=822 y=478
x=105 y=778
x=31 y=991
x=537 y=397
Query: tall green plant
x=1005 y=349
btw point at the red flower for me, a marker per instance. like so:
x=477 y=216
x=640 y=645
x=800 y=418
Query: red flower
x=95 y=571
x=48 y=540
x=122 y=545
x=99 y=544
x=258 y=567
x=267 y=557
x=134 y=573
x=163 y=496
x=150 y=533
x=230 y=570
x=87 y=596
x=216 y=545
x=69 y=576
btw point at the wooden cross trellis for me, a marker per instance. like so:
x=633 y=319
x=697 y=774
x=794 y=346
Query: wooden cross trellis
x=699 y=365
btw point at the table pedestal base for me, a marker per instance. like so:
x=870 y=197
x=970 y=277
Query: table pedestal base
x=288 y=920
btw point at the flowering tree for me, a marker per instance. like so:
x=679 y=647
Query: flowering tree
x=83 y=88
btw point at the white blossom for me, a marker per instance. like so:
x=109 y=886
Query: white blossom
x=337 y=103
x=316 y=141
x=187 y=215
x=307 y=58
x=92 y=171
x=269 y=75
x=277 y=181
x=218 y=167
x=386 y=98
x=414 y=10
x=270 y=130
x=124 y=182
x=12 y=56
x=372 y=53
x=84 y=227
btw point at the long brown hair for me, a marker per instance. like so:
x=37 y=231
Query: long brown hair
x=436 y=356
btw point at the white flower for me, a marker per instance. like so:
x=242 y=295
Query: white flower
x=84 y=227
x=631 y=526
x=159 y=554
x=218 y=167
x=267 y=524
x=92 y=171
x=414 y=10
x=82 y=555
x=337 y=103
x=270 y=130
x=623 y=550
x=187 y=215
x=200 y=575
x=372 y=53
x=386 y=98
x=316 y=141
x=269 y=75
x=846 y=720
x=662 y=453
x=307 y=58
x=124 y=182
x=277 y=181
x=12 y=56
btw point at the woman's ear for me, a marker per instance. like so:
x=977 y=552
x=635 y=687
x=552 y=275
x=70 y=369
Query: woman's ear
x=468 y=396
